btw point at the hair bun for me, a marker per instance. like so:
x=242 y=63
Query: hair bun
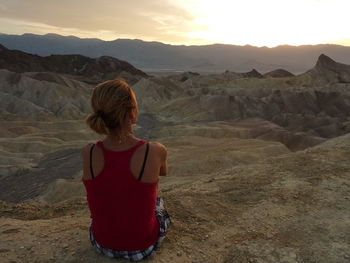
x=96 y=123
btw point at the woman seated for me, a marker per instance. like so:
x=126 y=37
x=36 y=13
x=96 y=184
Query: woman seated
x=121 y=175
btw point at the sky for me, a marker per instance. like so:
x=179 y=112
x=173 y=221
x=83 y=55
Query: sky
x=184 y=22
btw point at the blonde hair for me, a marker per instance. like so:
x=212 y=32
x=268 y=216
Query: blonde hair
x=111 y=102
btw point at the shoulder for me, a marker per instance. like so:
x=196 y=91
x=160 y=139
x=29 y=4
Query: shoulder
x=95 y=162
x=85 y=153
x=158 y=148
x=86 y=150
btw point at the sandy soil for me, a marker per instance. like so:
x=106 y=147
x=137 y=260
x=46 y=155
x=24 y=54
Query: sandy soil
x=293 y=207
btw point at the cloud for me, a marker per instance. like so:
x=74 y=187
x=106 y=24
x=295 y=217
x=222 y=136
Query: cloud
x=149 y=20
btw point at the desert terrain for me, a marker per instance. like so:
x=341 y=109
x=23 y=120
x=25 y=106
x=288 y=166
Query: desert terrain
x=259 y=164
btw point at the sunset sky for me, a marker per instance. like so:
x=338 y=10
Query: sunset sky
x=240 y=22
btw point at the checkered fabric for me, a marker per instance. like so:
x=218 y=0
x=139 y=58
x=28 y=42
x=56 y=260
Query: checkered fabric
x=164 y=223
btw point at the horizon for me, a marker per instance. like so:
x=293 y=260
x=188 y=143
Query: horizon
x=156 y=41
x=269 y=23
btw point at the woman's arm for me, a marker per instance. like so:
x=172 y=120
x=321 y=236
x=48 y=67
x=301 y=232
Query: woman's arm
x=97 y=161
x=162 y=153
x=85 y=155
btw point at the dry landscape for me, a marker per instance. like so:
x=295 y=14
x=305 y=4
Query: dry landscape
x=259 y=164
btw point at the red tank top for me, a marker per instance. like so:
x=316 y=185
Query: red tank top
x=122 y=208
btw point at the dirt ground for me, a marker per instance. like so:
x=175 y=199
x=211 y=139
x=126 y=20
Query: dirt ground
x=292 y=207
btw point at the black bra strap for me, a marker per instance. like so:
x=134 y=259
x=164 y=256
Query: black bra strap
x=144 y=162
x=91 y=171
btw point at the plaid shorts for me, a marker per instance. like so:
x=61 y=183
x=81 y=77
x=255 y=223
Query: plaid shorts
x=164 y=222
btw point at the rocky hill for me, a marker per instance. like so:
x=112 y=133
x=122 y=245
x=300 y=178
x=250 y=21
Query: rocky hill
x=42 y=96
x=318 y=110
x=330 y=71
x=278 y=73
x=258 y=165
x=93 y=70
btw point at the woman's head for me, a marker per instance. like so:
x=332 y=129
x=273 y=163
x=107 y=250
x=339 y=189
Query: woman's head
x=114 y=107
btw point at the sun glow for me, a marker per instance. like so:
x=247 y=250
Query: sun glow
x=270 y=22
x=240 y=22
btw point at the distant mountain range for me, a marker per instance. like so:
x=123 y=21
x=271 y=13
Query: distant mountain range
x=156 y=56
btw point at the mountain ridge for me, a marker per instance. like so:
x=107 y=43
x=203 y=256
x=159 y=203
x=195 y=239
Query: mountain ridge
x=157 y=56
x=97 y=70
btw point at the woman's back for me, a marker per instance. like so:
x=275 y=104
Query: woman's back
x=122 y=194
x=121 y=175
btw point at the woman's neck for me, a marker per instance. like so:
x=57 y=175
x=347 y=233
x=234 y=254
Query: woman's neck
x=120 y=138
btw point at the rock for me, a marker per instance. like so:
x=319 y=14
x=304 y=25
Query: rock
x=65 y=246
x=278 y=73
x=252 y=74
x=328 y=70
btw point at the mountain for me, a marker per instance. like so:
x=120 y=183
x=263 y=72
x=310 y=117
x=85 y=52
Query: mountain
x=331 y=71
x=95 y=70
x=156 y=56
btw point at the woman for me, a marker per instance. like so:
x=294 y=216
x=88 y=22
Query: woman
x=121 y=175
